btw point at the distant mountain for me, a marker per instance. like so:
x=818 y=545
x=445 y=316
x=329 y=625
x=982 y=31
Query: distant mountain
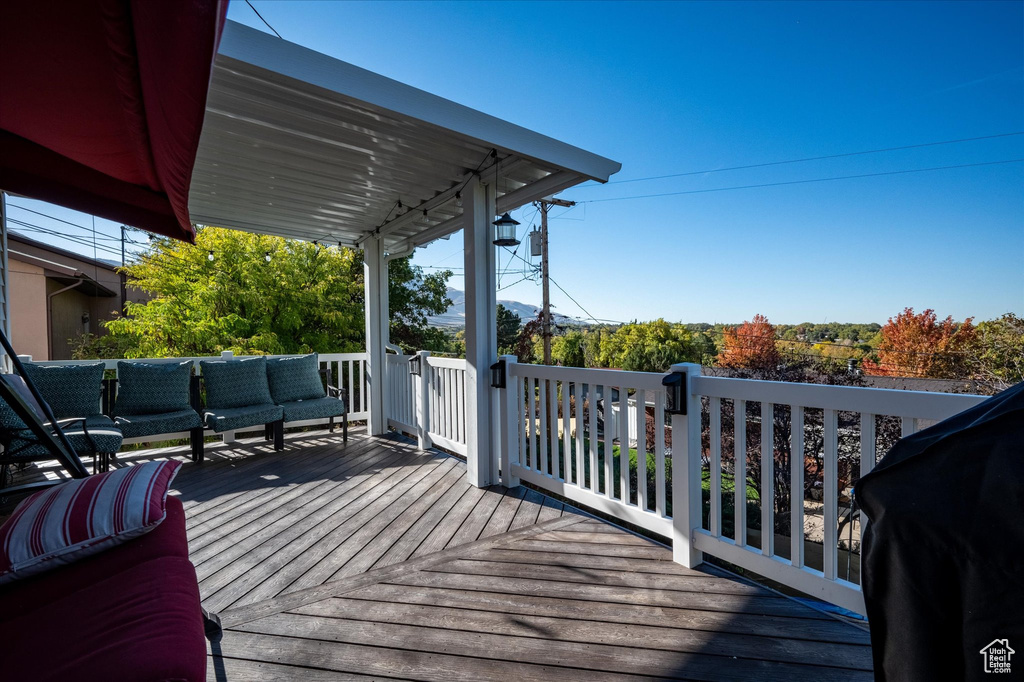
x=455 y=316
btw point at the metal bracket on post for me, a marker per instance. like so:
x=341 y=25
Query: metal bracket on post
x=508 y=405
x=687 y=499
x=423 y=402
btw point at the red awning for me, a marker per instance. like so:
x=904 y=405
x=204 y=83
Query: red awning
x=102 y=104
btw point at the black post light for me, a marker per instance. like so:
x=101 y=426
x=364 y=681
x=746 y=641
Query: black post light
x=498 y=374
x=675 y=385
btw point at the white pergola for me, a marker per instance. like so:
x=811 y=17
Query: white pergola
x=301 y=145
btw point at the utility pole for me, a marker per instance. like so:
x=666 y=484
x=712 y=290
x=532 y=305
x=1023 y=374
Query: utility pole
x=543 y=205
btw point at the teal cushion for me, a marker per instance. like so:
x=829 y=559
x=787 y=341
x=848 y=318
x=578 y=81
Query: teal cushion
x=71 y=391
x=317 y=408
x=96 y=433
x=9 y=419
x=139 y=425
x=236 y=383
x=295 y=378
x=231 y=418
x=145 y=388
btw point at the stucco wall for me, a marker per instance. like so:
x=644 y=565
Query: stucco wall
x=28 y=309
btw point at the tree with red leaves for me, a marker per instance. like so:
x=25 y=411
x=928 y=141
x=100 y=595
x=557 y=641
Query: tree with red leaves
x=750 y=346
x=919 y=345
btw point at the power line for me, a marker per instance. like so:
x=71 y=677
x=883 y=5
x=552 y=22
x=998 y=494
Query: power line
x=263 y=20
x=585 y=311
x=815 y=158
x=528 y=277
x=802 y=182
x=80 y=240
x=61 y=220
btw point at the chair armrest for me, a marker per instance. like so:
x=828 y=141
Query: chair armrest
x=338 y=392
x=332 y=390
x=195 y=393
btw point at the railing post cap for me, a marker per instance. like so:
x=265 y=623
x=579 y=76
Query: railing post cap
x=509 y=359
x=688 y=367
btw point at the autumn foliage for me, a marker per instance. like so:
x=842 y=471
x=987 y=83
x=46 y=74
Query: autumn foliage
x=750 y=346
x=920 y=345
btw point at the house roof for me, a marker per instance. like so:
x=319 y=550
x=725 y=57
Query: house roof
x=72 y=261
x=62 y=265
x=299 y=144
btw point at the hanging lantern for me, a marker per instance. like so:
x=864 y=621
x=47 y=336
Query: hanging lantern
x=505 y=229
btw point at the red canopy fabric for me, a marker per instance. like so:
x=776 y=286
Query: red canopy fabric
x=102 y=104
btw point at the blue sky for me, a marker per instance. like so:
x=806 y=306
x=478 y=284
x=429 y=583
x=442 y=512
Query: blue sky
x=669 y=88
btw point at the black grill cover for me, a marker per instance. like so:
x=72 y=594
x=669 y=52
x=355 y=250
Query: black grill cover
x=943 y=550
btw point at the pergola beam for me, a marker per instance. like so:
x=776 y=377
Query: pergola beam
x=545 y=187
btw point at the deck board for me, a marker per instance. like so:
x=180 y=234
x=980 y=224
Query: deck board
x=376 y=560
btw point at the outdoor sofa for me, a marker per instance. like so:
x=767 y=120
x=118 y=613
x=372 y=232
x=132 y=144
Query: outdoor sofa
x=269 y=391
x=151 y=399
x=73 y=393
x=131 y=612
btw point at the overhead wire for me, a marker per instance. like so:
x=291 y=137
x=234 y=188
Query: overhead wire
x=61 y=220
x=816 y=158
x=802 y=182
x=262 y=19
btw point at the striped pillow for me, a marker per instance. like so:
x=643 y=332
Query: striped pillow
x=60 y=525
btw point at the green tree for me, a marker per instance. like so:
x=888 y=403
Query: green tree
x=568 y=349
x=1000 y=351
x=647 y=346
x=412 y=296
x=509 y=325
x=258 y=294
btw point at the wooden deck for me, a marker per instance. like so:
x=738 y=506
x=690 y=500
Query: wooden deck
x=376 y=560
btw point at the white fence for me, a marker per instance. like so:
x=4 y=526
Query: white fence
x=567 y=439
x=560 y=423
x=430 y=405
x=832 y=431
x=348 y=371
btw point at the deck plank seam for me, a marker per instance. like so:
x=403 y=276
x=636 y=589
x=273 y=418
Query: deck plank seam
x=639 y=644
x=234 y=617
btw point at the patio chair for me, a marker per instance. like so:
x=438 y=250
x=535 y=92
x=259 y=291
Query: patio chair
x=71 y=393
x=23 y=401
x=155 y=398
x=238 y=396
x=298 y=385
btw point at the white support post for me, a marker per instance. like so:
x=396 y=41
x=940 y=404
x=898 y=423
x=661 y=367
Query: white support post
x=423 y=402
x=510 y=424
x=375 y=287
x=686 y=473
x=481 y=339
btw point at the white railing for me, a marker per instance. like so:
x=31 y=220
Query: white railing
x=554 y=436
x=401 y=396
x=348 y=371
x=567 y=436
x=430 y=405
x=446 y=403
x=837 y=433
